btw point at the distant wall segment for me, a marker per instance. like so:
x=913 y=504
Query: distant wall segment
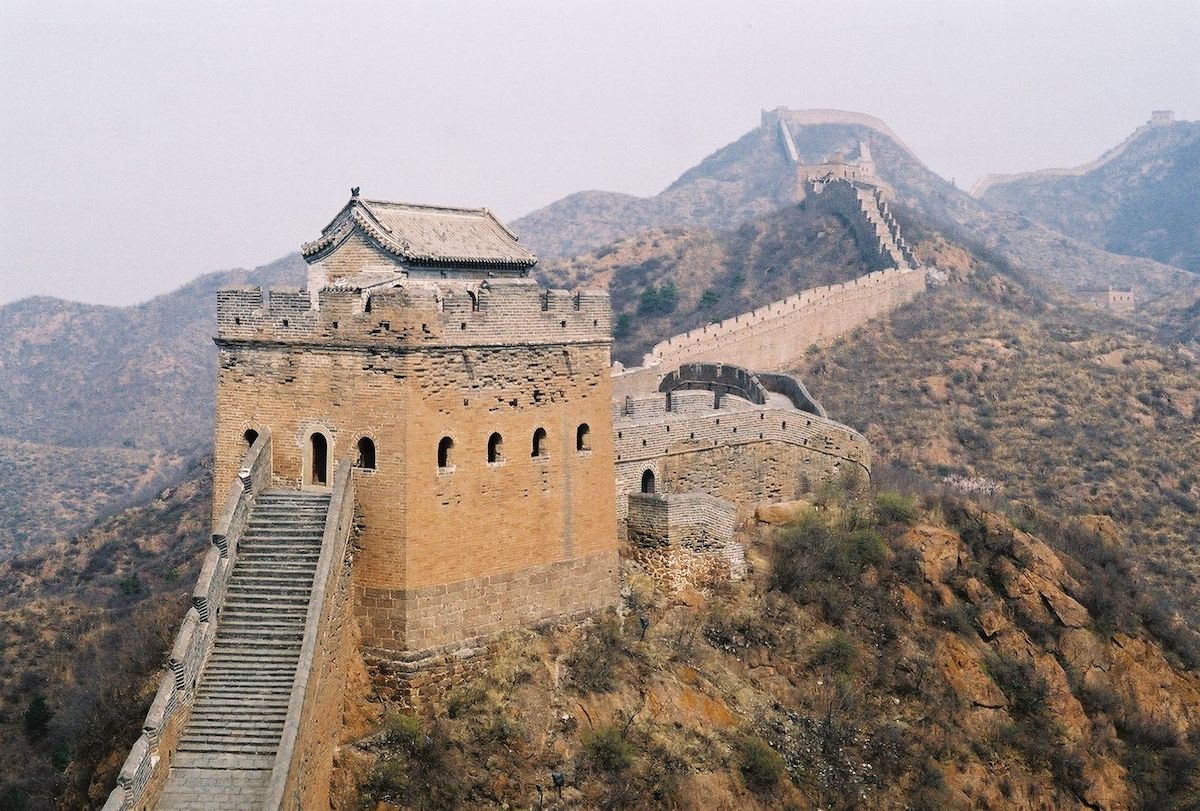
x=775 y=335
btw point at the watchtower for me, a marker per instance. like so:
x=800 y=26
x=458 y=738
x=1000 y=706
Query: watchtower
x=473 y=404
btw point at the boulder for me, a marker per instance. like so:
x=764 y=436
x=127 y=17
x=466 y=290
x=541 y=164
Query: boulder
x=939 y=550
x=963 y=670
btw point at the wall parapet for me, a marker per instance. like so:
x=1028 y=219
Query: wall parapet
x=683 y=538
x=417 y=314
x=145 y=769
x=646 y=439
x=304 y=758
x=775 y=335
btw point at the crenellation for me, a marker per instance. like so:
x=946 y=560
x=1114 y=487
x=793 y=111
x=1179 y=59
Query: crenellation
x=417 y=313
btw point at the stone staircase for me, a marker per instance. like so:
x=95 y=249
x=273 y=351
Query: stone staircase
x=875 y=209
x=228 y=747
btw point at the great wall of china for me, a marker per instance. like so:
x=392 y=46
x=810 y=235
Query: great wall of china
x=1158 y=118
x=424 y=395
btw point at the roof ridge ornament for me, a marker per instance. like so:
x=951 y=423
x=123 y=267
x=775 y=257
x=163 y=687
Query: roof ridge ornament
x=354 y=192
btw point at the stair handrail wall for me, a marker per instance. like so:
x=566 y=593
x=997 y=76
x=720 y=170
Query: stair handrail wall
x=304 y=756
x=145 y=769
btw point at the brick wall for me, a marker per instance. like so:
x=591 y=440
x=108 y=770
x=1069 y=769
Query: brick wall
x=774 y=336
x=428 y=528
x=745 y=455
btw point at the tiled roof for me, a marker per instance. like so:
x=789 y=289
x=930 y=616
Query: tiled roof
x=427 y=234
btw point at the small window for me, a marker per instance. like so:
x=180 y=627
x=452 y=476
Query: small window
x=445 y=452
x=540 y=445
x=250 y=437
x=495 y=449
x=648 y=481
x=582 y=441
x=474 y=301
x=366 y=454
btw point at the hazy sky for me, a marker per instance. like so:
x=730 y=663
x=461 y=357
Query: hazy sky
x=144 y=143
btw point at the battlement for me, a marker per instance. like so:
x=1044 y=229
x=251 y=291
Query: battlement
x=829 y=295
x=415 y=314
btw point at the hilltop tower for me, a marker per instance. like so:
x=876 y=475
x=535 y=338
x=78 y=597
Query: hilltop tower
x=473 y=405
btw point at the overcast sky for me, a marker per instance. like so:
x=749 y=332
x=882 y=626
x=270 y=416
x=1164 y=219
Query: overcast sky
x=142 y=144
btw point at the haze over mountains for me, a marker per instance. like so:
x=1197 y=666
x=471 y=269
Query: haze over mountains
x=127 y=392
x=1145 y=201
x=1001 y=380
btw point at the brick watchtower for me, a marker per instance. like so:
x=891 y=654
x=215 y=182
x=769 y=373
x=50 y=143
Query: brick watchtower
x=474 y=405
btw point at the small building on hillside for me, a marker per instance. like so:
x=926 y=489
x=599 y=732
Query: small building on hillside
x=1111 y=299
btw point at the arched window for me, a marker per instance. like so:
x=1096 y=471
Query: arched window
x=366 y=453
x=250 y=436
x=495 y=448
x=540 y=444
x=445 y=452
x=648 y=481
x=582 y=442
x=319 y=459
x=474 y=301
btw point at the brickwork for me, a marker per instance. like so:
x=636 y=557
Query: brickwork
x=740 y=452
x=775 y=335
x=410 y=363
x=685 y=539
x=396 y=621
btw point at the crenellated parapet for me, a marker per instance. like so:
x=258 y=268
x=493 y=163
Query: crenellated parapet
x=416 y=314
x=733 y=434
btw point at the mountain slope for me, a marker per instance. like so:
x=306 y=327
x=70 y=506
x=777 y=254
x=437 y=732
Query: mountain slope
x=1144 y=202
x=101 y=406
x=752 y=176
x=664 y=282
x=1001 y=389
x=85 y=625
x=885 y=652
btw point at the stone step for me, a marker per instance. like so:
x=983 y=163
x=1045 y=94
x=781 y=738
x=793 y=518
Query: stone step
x=293 y=574
x=266 y=602
x=269 y=593
x=263 y=677
x=243 y=764
x=250 y=701
x=256 y=629
x=265 y=555
x=239 y=715
x=230 y=747
x=220 y=730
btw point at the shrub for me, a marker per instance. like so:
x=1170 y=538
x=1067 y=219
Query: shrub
x=462 y=700
x=658 y=300
x=623 y=327
x=760 y=765
x=36 y=719
x=388 y=779
x=594 y=663
x=836 y=651
x=893 y=508
x=401 y=731
x=607 y=750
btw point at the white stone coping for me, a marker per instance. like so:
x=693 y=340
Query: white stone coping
x=195 y=637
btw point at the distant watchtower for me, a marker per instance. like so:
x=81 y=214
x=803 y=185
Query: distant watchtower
x=474 y=405
x=1162 y=118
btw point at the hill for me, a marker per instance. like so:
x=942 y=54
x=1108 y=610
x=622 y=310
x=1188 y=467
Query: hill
x=752 y=176
x=85 y=625
x=100 y=407
x=998 y=387
x=663 y=282
x=885 y=652
x=1144 y=201
x=900 y=647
